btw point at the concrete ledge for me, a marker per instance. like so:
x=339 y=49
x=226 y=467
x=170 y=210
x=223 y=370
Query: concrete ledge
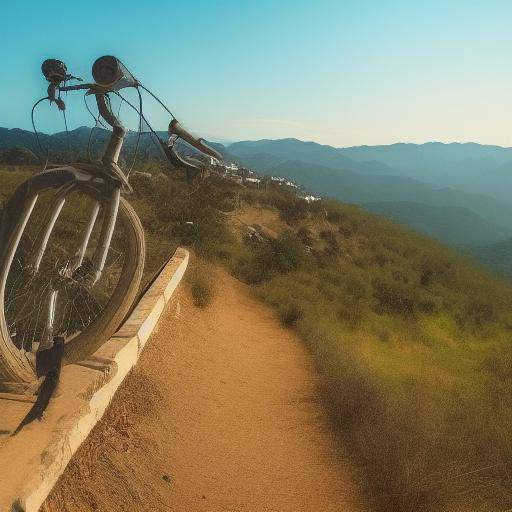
x=32 y=461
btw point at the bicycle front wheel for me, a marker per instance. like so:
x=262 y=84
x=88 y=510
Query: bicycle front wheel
x=71 y=267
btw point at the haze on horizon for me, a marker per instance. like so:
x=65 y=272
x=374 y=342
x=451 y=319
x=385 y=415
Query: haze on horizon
x=342 y=73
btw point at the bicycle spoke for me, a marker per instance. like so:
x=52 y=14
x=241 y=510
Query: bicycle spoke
x=81 y=300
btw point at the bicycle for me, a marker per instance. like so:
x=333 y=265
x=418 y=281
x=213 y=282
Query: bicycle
x=71 y=247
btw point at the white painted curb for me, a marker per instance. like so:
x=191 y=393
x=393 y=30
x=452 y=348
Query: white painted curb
x=36 y=458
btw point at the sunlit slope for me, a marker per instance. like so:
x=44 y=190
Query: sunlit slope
x=414 y=339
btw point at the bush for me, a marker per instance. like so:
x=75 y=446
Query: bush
x=265 y=260
x=286 y=253
x=305 y=236
x=202 y=293
x=201 y=282
x=293 y=210
x=290 y=313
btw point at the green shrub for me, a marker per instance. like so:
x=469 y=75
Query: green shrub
x=286 y=253
x=267 y=259
x=305 y=236
x=293 y=210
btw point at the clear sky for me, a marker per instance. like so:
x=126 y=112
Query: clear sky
x=338 y=72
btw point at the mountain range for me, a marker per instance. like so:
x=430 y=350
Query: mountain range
x=422 y=185
x=469 y=167
x=458 y=193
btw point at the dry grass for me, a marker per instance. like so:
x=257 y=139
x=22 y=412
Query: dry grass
x=201 y=280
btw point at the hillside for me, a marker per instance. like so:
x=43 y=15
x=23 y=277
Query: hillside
x=362 y=189
x=267 y=154
x=74 y=143
x=388 y=315
x=468 y=176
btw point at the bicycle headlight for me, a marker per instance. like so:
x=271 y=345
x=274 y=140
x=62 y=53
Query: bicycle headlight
x=110 y=73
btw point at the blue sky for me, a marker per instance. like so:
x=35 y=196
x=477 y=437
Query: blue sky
x=338 y=72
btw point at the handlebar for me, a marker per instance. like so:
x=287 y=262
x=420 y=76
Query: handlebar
x=111 y=75
x=79 y=87
x=176 y=129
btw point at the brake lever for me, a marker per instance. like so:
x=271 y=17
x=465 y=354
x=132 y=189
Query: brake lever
x=176 y=159
x=52 y=96
x=56 y=73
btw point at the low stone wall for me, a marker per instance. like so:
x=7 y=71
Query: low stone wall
x=32 y=461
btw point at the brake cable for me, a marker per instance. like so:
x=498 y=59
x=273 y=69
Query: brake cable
x=37 y=133
x=96 y=119
x=138 y=135
x=142 y=117
x=97 y=122
x=119 y=108
x=67 y=131
x=157 y=99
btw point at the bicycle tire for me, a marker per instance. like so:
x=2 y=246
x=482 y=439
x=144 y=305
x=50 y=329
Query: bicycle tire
x=15 y=366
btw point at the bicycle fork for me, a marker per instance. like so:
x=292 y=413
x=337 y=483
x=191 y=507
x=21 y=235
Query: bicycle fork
x=110 y=206
x=99 y=258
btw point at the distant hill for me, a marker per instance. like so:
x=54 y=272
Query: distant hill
x=497 y=257
x=454 y=226
x=432 y=156
x=490 y=215
x=469 y=167
x=267 y=154
x=400 y=173
x=77 y=141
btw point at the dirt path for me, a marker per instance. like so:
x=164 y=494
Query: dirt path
x=221 y=414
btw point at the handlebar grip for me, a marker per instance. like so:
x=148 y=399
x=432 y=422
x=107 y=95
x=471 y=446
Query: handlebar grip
x=175 y=128
x=179 y=161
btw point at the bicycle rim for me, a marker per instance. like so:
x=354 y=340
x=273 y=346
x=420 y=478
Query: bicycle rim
x=59 y=292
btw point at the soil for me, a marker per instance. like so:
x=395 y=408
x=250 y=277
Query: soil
x=222 y=413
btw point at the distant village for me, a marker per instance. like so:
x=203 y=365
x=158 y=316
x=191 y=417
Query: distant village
x=248 y=177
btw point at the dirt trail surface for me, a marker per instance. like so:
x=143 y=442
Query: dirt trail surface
x=221 y=414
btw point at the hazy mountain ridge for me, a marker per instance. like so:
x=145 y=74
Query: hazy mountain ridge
x=496 y=257
x=77 y=139
x=430 y=154
x=469 y=166
x=386 y=176
x=452 y=225
x=283 y=150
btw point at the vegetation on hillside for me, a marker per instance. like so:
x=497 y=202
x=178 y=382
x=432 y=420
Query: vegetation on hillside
x=413 y=339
